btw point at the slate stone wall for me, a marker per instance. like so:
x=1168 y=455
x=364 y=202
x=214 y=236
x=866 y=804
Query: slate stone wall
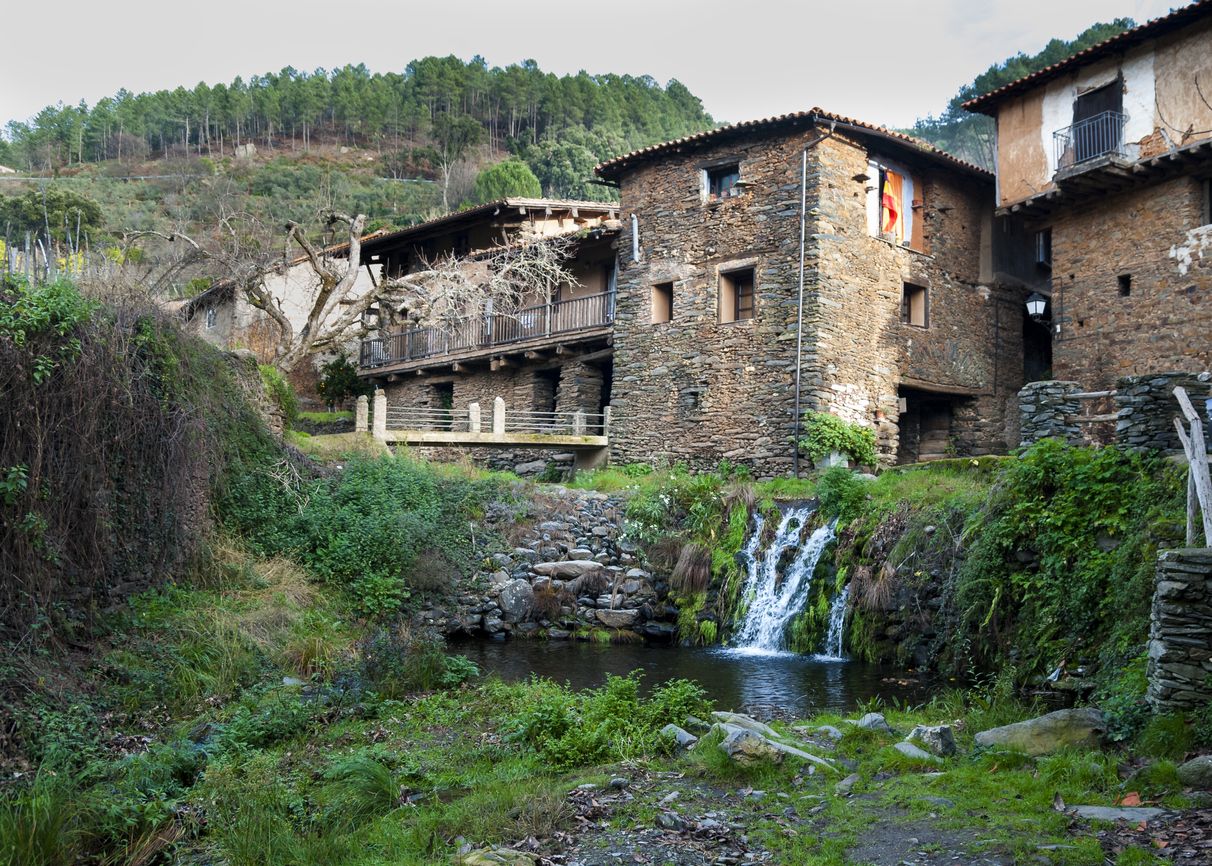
x=1180 y=637
x=1158 y=237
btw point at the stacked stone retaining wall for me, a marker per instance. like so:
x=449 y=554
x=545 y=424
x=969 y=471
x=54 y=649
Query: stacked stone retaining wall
x=1180 y=638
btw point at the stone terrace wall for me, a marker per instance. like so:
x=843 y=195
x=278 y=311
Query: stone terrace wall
x=1157 y=236
x=1144 y=408
x=1180 y=638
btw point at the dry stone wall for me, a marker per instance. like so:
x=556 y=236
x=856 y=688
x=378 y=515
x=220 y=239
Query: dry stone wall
x=1180 y=638
x=570 y=573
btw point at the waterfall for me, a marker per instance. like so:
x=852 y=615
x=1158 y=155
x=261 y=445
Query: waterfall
x=775 y=598
x=837 y=623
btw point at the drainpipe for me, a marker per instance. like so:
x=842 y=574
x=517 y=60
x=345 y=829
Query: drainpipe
x=635 y=238
x=799 y=329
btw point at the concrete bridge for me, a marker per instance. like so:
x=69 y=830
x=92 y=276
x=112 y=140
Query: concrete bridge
x=585 y=434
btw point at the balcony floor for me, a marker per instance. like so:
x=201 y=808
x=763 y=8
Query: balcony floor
x=587 y=339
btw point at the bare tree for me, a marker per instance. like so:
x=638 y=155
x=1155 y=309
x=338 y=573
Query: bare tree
x=443 y=294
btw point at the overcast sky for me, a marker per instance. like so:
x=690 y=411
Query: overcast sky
x=881 y=61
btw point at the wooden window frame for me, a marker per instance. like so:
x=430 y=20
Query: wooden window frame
x=908 y=292
x=662 y=303
x=712 y=175
x=733 y=296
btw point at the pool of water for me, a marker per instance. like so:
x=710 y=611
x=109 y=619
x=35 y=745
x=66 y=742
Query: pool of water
x=734 y=679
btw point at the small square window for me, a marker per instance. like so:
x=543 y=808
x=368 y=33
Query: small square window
x=662 y=303
x=737 y=295
x=1125 y=285
x=915 y=306
x=721 y=181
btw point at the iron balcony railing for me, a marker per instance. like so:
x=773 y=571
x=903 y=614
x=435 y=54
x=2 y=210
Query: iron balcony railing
x=495 y=329
x=1100 y=135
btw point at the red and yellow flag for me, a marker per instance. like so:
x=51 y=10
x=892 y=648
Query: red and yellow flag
x=892 y=221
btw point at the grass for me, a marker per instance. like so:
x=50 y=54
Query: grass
x=337 y=446
x=326 y=417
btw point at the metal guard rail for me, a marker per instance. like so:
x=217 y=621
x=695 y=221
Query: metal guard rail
x=1100 y=135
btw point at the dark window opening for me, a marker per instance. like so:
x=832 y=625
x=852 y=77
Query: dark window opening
x=442 y=396
x=915 y=306
x=737 y=295
x=722 y=181
x=1125 y=285
x=461 y=245
x=662 y=303
x=546 y=389
x=690 y=400
x=211 y=318
x=1043 y=249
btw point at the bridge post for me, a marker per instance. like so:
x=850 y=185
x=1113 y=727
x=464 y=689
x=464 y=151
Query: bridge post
x=606 y=415
x=473 y=418
x=498 y=417
x=380 y=415
x=362 y=415
x=578 y=423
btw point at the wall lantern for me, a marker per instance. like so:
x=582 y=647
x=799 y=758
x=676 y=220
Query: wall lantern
x=1036 y=304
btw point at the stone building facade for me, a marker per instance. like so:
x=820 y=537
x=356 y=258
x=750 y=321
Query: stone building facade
x=901 y=333
x=1103 y=166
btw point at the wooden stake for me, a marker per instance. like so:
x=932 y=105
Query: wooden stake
x=1197 y=461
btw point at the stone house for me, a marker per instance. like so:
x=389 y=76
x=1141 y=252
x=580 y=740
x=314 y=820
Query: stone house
x=550 y=355
x=903 y=329
x=1103 y=162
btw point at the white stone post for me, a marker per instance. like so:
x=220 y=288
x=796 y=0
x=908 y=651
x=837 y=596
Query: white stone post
x=380 y=415
x=498 y=417
x=578 y=423
x=606 y=416
x=473 y=418
x=362 y=415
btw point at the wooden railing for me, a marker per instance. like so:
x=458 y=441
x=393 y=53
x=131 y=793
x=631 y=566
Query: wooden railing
x=496 y=329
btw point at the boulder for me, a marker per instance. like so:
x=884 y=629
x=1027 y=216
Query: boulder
x=935 y=739
x=873 y=722
x=1197 y=772
x=914 y=753
x=742 y=721
x=843 y=787
x=1048 y=733
x=684 y=738
x=618 y=618
x=567 y=568
x=516 y=600
x=747 y=747
x=1132 y=814
x=830 y=731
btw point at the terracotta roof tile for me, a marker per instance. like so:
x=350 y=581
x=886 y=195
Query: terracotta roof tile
x=616 y=165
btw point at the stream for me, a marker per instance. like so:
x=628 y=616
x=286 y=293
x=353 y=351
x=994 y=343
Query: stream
x=734 y=679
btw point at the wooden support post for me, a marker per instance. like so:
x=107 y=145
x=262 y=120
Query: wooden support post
x=380 y=415
x=498 y=417
x=473 y=418
x=362 y=415
x=1199 y=485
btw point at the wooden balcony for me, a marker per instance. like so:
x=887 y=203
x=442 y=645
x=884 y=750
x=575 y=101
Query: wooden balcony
x=529 y=327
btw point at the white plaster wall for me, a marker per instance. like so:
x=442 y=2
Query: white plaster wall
x=1139 y=95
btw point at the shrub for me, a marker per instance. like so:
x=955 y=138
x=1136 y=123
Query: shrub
x=842 y=494
x=38 y=824
x=825 y=433
x=339 y=381
x=692 y=572
x=396 y=662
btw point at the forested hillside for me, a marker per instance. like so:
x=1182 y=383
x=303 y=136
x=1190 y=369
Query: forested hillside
x=971 y=135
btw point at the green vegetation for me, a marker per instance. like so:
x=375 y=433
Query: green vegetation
x=280 y=394
x=825 y=434
x=339 y=382
x=510 y=177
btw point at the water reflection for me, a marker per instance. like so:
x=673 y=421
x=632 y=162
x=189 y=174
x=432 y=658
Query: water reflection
x=733 y=678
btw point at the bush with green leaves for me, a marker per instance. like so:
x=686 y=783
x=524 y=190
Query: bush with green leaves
x=280 y=393
x=611 y=723
x=825 y=433
x=339 y=381
x=397 y=661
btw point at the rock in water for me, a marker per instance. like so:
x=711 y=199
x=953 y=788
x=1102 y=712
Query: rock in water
x=748 y=747
x=1197 y=772
x=935 y=739
x=1048 y=733
x=516 y=599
